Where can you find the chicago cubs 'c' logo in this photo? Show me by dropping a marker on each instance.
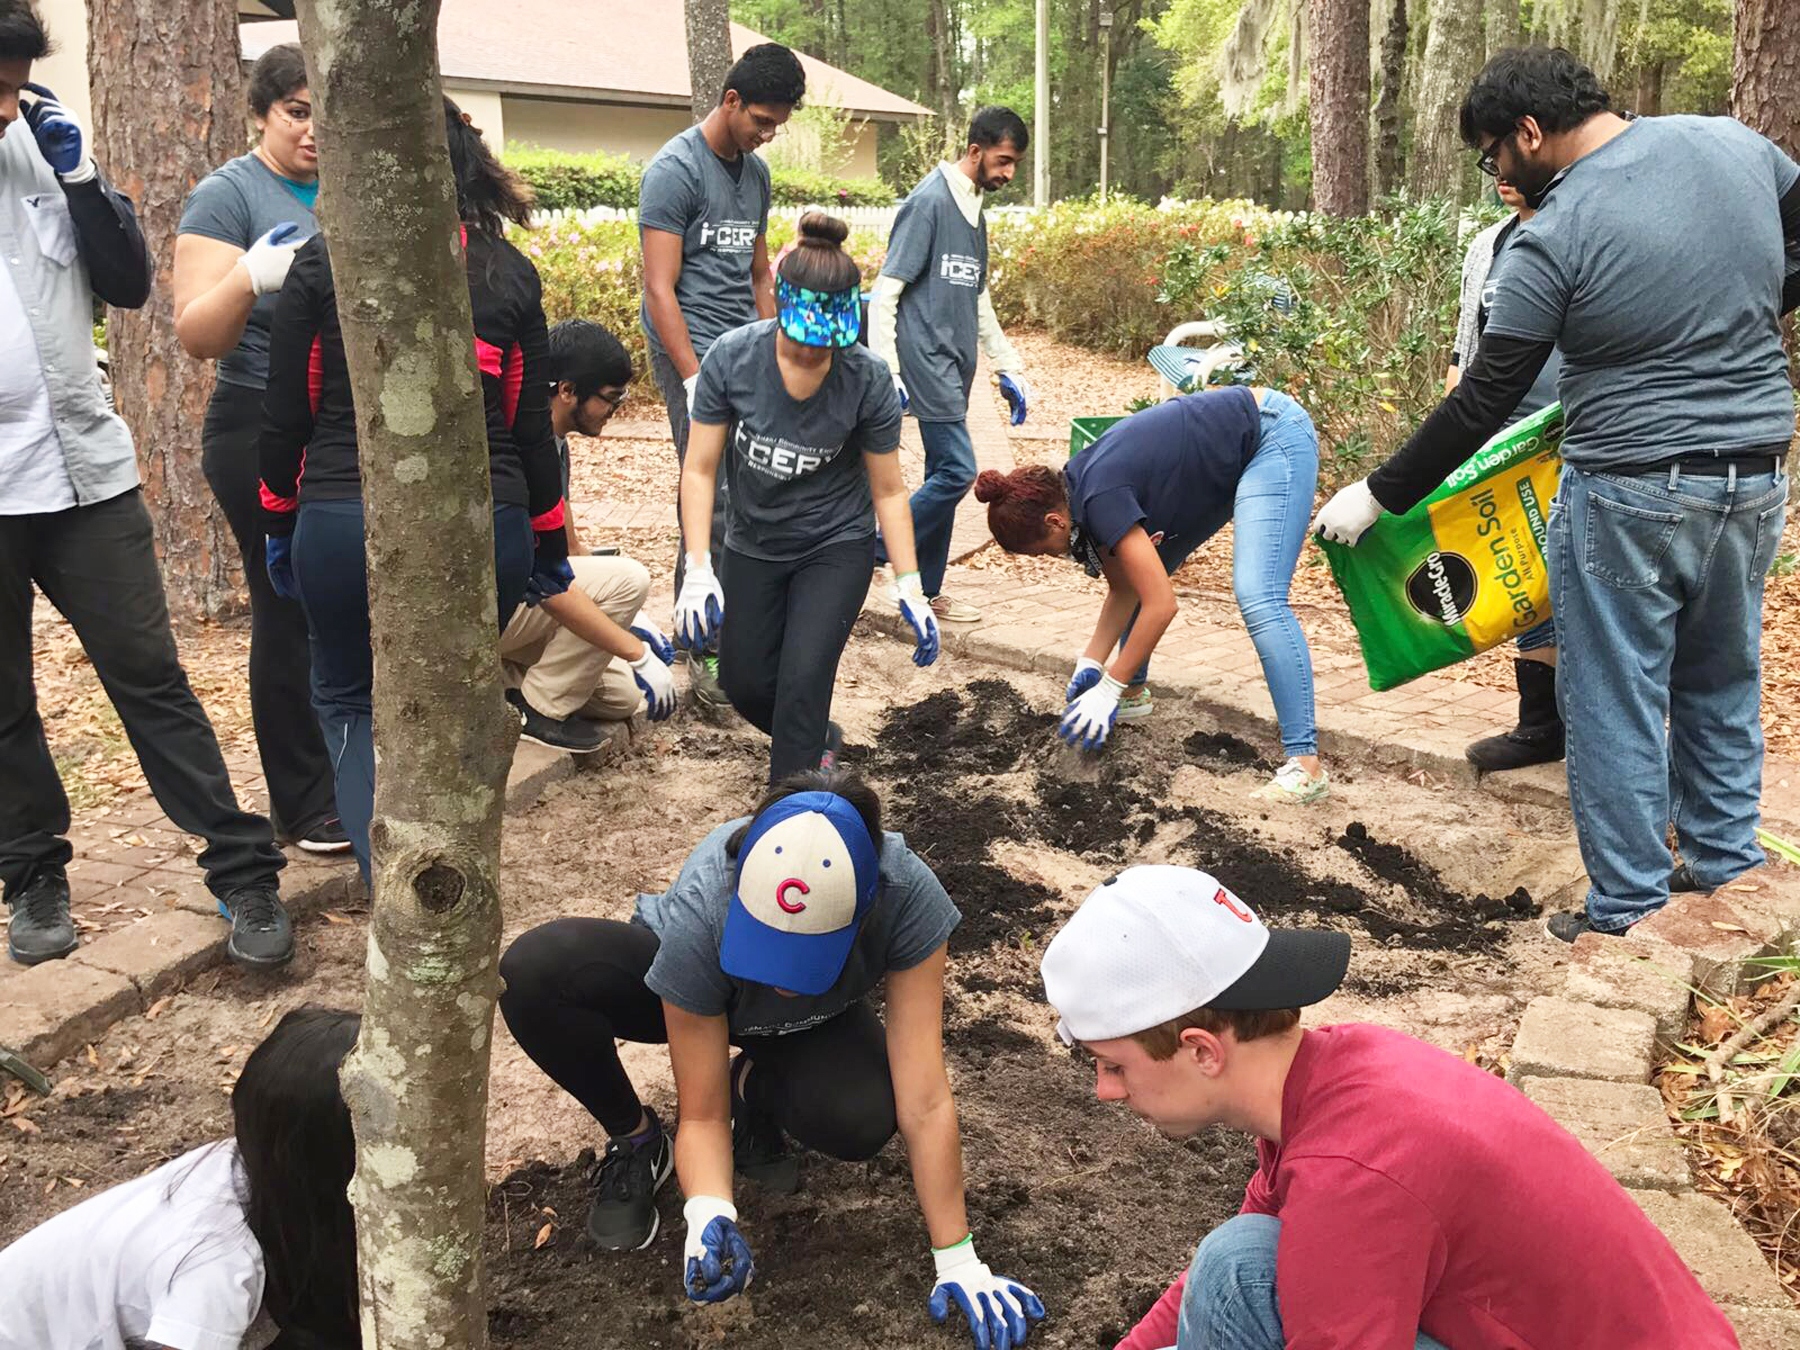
(1234, 906)
(791, 884)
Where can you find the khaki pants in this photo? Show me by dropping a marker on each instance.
(558, 673)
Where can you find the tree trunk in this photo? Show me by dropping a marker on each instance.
(1765, 70)
(709, 51)
(1505, 26)
(1649, 91)
(1339, 84)
(943, 72)
(417, 1080)
(1388, 165)
(168, 109)
(1453, 53)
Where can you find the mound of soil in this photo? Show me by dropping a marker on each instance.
(1221, 747)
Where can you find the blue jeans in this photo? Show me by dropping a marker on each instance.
(1657, 582)
(1229, 1302)
(949, 472)
(1270, 511)
(330, 571)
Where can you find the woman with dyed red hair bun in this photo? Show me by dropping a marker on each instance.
(1134, 505)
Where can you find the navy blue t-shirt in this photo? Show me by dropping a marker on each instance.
(1173, 468)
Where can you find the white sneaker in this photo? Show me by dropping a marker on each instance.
(1293, 785)
(1136, 704)
(949, 610)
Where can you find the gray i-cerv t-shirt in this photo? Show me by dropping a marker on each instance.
(911, 918)
(1656, 265)
(687, 190)
(238, 203)
(943, 260)
(794, 470)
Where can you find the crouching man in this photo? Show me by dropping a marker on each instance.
(588, 655)
(1403, 1198)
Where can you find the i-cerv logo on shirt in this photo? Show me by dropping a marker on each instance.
(959, 269)
(728, 236)
(778, 457)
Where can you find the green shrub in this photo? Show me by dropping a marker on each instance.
(570, 182)
(802, 187)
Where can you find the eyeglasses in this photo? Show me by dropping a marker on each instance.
(612, 401)
(1489, 163)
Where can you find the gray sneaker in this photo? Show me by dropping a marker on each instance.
(41, 929)
(261, 936)
(703, 679)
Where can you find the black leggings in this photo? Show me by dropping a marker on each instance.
(786, 625)
(573, 986)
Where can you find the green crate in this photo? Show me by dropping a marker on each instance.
(1084, 431)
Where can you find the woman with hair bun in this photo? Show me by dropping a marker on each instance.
(807, 423)
(1134, 505)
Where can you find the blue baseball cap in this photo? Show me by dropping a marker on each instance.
(807, 874)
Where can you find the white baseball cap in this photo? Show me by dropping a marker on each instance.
(1156, 942)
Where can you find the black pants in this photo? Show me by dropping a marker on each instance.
(97, 565)
(786, 625)
(287, 734)
(674, 394)
(573, 986)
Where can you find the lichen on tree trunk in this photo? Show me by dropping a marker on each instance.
(1455, 46)
(417, 1080)
(709, 51)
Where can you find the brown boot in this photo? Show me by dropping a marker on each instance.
(1538, 739)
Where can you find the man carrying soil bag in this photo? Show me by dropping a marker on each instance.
(1403, 1198)
(1661, 258)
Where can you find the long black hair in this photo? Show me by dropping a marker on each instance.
(298, 1152)
(839, 782)
(488, 194)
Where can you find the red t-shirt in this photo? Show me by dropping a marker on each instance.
(1417, 1193)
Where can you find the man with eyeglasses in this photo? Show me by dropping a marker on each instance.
(587, 655)
(703, 214)
(1661, 257)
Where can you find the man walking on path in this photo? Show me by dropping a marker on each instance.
(703, 214)
(72, 520)
(928, 312)
(1661, 257)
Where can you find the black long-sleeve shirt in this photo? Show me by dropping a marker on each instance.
(110, 242)
(308, 449)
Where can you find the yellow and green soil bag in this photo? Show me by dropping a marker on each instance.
(1465, 569)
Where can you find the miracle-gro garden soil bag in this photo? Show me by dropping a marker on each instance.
(1465, 569)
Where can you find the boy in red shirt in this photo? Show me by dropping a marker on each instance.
(1405, 1200)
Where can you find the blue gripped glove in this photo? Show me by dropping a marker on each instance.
(278, 559)
(999, 1311)
(654, 677)
(644, 629)
(1087, 674)
(719, 1263)
(700, 608)
(1017, 395)
(58, 134)
(916, 609)
(1089, 719)
(900, 389)
(548, 577)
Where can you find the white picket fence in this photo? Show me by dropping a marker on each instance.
(877, 218)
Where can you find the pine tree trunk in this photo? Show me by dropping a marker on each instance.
(1505, 26)
(1649, 91)
(709, 51)
(1388, 106)
(1339, 87)
(417, 1080)
(943, 71)
(168, 109)
(1453, 53)
(1765, 70)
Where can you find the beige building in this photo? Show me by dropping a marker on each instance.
(564, 74)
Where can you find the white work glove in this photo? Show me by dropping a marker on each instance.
(700, 608)
(687, 387)
(916, 610)
(268, 259)
(657, 681)
(644, 629)
(1087, 674)
(995, 1307)
(1089, 719)
(1347, 516)
(900, 389)
(719, 1263)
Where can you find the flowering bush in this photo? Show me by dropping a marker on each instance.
(571, 182)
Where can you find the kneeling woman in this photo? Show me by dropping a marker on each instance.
(1134, 505)
(225, 1246)
(774, 932)
(814, 423)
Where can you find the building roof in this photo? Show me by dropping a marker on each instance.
(618, 51)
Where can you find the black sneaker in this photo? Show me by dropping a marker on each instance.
(261, 936)
(623, 1217)
(1571, 924)
(572, 735)
(41, 929)
(1682, 881)
(327, 836)
(759, 1150)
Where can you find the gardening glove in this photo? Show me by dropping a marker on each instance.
(1017, 394)
(1087, 674)
(644, 629)
(1347, 516)
(995, 1307)
(900, 389)
(548, 579)
(268, 259)
(654, 677)
(1089, 719)
(278, 558)
(700, 608)
(719, 1263)
(687, 387)
(59, 135)
(916, 610)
